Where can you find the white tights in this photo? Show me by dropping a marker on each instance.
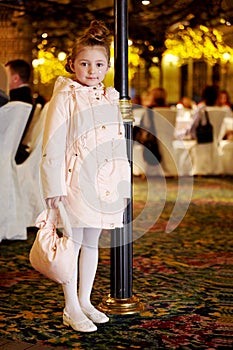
(87, 259)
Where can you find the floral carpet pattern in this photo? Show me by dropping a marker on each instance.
(183, 278)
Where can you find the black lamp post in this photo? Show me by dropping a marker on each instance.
(121, 299)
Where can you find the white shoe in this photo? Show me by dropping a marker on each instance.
(96, 316)
(82, 326)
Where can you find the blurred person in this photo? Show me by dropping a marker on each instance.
(186, 102)
(19, 72)
(228, 135)
(154, 97)
(223, 98)
(185, 108)
(136, 101)
(209, 99)
(209, 96)
(4, 97)
(145, 132)
(224, 102)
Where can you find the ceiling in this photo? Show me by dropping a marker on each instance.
(64, 19)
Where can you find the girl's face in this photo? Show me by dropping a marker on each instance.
(90, 65)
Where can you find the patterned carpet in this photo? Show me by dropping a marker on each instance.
(183, 277)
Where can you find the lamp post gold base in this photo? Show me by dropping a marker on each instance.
(121, 306)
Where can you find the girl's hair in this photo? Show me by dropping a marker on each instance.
(96, 35)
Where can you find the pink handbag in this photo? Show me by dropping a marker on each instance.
(50, 254)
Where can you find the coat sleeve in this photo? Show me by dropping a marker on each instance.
(54, 148)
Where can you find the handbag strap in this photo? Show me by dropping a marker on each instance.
(65, 220)
(207, 117)
(204, 114)
(52, 217)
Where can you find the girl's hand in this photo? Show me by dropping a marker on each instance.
(53, 202)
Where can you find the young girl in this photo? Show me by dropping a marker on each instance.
(85, 164)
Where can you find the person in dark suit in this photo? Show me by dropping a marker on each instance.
(19, 72)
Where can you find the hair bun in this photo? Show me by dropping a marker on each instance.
(97, 31)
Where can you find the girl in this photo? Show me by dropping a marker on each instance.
(85, 164)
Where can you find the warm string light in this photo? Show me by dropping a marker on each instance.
(49, 66)
(200, 43)
(134, 60)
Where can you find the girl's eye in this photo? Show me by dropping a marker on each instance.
(99, 65)
(84, 64)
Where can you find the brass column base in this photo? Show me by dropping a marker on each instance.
(121, 306)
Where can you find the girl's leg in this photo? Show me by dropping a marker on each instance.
(72, 306)
(88, 262)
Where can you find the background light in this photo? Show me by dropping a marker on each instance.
(61, 56)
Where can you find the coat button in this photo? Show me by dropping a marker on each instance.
(103, 127)
(107, 193)
(70, 170)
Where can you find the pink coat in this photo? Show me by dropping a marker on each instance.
(84, 154)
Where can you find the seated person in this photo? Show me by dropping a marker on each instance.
(186, 102)
(224, 102)
(154, 97)
(209, 98)
(19, 72)
(228, 135)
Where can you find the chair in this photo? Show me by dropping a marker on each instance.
(183, 154)
(201, 159)
(165, 120)
(140, 167)
(216, 116)
(226, 148)
(13, 119)
(168, 113)
(227, 125)
(137, 114)
(29, 173)
(36, 115)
